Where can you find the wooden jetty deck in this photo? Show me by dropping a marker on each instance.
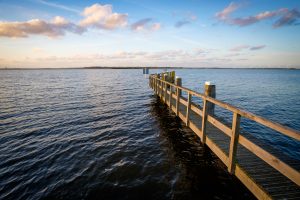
(266, 173)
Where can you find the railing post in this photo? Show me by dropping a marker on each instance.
(158, 88)
(204, 120)
(154, 82)
(178, 82)
(165, 86)
(170, 97)
(161, 89)
(210, 90)
(159, 85)
(234, 142)
(188, 108)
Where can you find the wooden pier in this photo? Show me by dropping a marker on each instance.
(266, 173)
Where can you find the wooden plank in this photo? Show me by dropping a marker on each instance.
(174, 96)
(234, 142)
(204, 122)
(170, 96)
(250, 184)
(165, 95)
(184, 102)
(195, 128)
(177, 101)
(196, 109)
(217, 150)
(181, 116)
(277, 164)
(188, 108)
(219, 125)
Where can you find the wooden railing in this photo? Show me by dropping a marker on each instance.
(161, 88)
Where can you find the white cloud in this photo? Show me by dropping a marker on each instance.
(102, 17)
(286, 16)
(57, 27)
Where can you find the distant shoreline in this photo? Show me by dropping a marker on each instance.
(291, 68)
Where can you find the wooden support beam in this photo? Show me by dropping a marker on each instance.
(234, 142)
(165, 86)
(170, 96)
(178, 82)
(165, 95)
(177, 101)
(204, 121)
(188, 108)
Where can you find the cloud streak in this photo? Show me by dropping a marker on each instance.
(145, 25)
(226, 12)
(55, 5)
(284, 16)
(290, 17)
(257, 47)
(244, 47)
(181, 23)
(57, 27)
(189, 18)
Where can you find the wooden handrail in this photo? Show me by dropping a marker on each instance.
(273, 125)
(233, 132)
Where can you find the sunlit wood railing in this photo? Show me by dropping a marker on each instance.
(164, 88)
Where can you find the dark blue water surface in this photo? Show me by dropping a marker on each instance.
(102, 134)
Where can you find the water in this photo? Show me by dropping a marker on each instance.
(90, 134)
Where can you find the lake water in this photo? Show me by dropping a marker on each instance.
(94, 133)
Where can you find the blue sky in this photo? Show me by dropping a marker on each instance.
(192, 33)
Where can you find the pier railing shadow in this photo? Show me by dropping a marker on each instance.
(201, 172)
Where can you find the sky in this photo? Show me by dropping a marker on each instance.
(139, 33)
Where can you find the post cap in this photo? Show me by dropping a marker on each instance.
(208, 83)
(177, 76)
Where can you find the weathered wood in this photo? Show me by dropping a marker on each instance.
(276, 163)
(273, 125)
(217, 150)
(183, 101)
(188, 108)
(170, 96)
(252, 155)
(196, 109)
(210, 90)
(195, 128)
(219, 125)
(234, 141)
(178, 82)
(204, 121)
(177, 101)
(250, 184)
(165, 95)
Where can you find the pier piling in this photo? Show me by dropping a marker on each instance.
(210, 90)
